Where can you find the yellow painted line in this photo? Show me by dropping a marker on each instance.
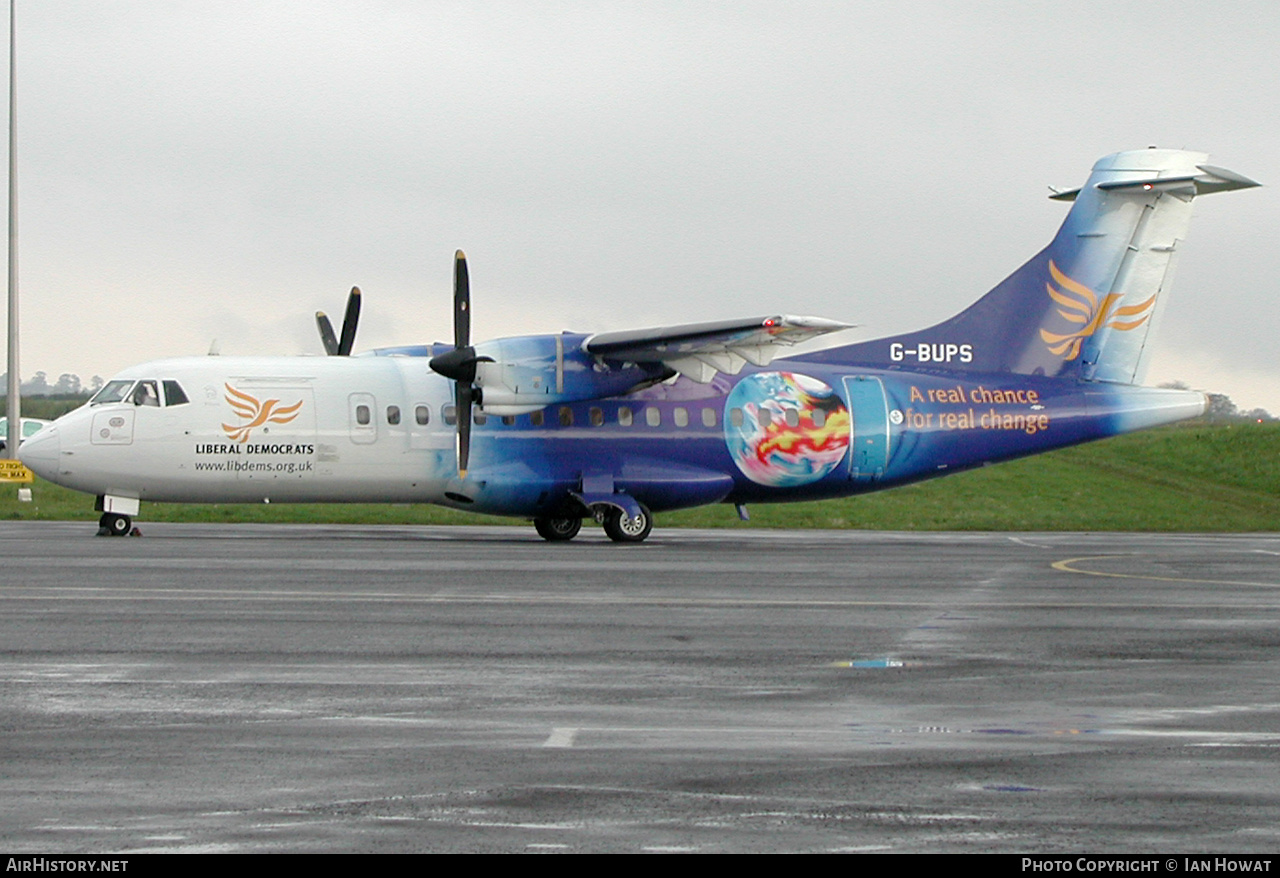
(1065, 566)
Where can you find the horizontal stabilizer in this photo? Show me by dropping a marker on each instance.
(1221, 180)
(1210, 179)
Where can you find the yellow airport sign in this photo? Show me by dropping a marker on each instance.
(14, 471)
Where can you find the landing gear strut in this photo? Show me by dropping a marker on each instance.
(113, 524)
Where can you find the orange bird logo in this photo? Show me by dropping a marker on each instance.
(1080, 305)
(257, 413)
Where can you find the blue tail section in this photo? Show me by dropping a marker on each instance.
(1087, 305)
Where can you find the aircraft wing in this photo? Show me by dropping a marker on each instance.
(700, 350)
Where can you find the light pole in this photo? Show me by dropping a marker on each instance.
(14, 407)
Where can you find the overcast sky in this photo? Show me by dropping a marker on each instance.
(199, 170)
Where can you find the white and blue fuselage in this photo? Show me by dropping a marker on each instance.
(620, 425)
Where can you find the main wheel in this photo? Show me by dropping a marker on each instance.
(557, 530)
(622, 528)
(113, 524)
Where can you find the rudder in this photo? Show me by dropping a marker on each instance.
(1087, 305)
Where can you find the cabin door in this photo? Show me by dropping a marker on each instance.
(868, 428)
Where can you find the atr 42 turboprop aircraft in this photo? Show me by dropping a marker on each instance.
(618, 425)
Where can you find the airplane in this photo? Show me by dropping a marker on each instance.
(617, 426)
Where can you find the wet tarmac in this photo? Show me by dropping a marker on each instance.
(293, 688)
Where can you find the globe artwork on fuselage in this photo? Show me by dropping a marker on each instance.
(784, 429)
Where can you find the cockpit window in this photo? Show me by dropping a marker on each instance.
(141, 393)
(146, 394)
(115, 391)
(173, 394)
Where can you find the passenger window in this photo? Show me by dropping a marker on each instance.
(451, 414)
(597, 417)
(735, 417)
(173, 394)
(508, 419)
(792, 417)
(819, 418)
(708, 417)
(535, 418)
(624, 416)
(566, 416)
(422, 414)
(682, 416)
(652, 416)
(479, 416)
(764, 418)
(363, 416)
(393, 415)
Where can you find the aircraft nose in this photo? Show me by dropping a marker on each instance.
(41, 452)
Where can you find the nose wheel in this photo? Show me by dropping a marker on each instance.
(113, 524)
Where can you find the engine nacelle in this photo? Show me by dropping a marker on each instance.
(518, 375)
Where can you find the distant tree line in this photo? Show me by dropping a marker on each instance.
(1221, 409)
(46, 401)
(66, 385)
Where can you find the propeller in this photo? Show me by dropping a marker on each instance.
(459, 364)
(333, 346)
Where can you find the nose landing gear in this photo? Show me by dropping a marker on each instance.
(113, 524)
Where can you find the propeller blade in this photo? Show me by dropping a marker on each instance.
(465, 393)
(461, 301)
(459, 364)
(327, 338)
(349, 322)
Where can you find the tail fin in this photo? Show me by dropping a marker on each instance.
(1087, 305)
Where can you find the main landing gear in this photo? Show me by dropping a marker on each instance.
(557, 530)
(113, 524)
(620, 527)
